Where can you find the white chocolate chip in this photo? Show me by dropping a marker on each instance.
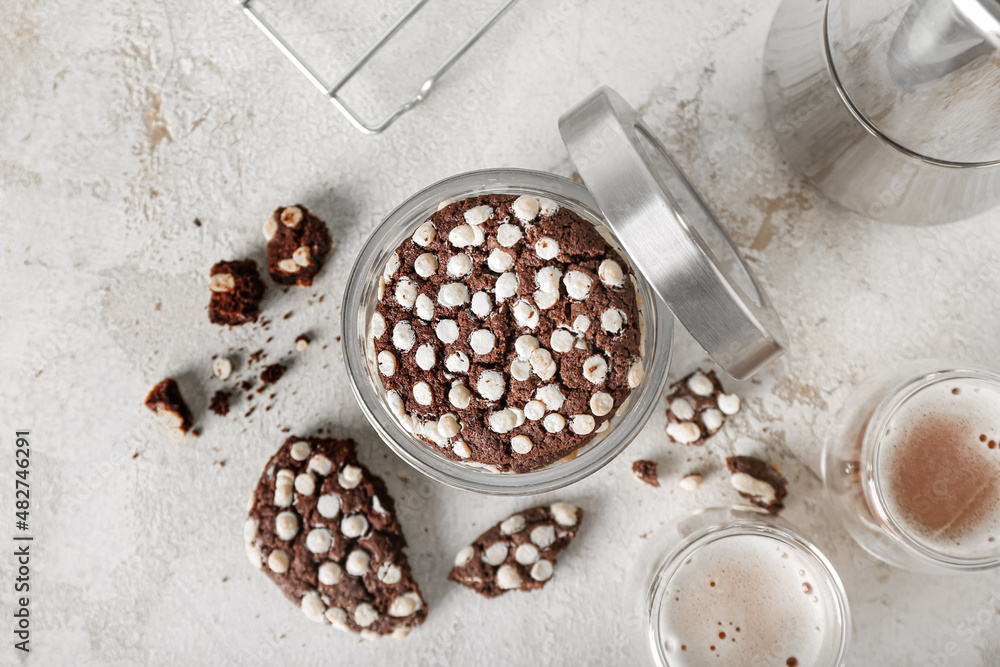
(378, 325)
(328, 506)
(460, 396)
(508, 578)
(683, 432)
(541, 571)
(508, 235)
(521, 444)
(495, 554)
(404, 605)
(503, 421)
(547, 206)
(349, 477)
(499, 261)
(453, 295)
(319, 540)
(278, 561)
(386, 363)
(520, 370)
(612, 320)
(700, 385)
(712, 419)
(562, 340)
(578, 285)
(457, 362)
(250, 529)
(283, 485)
(526, 554)
(459, 266)
(690, 482)
(365, 614)
(391, 266)
(729, 404)
(313, 607)
(320, 465)
(445, 203)
(610, 273)
(377, 505)
(525, 314)
(329, 573)
(682, 409)
(255, 555)
(270, 228)
(403, 337)
(222, 283)
(425, 357)
(547, 248)
(381, 285)
(525, 208)
(447, 331)
(291, 216)
(337, 617)
(389, 574)
(601, 403)
(506, 286)
(636, 373)
(302, 256)
(546, 300)
(286, 525)
(543, 536)
(582, 424)
(478, 215)
(300, 450)
(482, 341)
(581, 324)
(563, 513)
(448, 426)
(542, 363)
(595, 369)
(422, 393)
(551, 396)
(395, 403)
(305, 484)
(464, 555)
(426, 265)
(289, 266)
(515, 523)
(425, 234)
(760, 490)
(481, 304)
(490, 385)
(354, 526)
(525, 345)
(547, 279)
(534, 410)
(358, 562)
(222, 368)
(554, 422)
(461, 449)
(425, 307)
(462, 236)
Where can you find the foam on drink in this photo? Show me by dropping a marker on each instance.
(939, 467)
(747, 600)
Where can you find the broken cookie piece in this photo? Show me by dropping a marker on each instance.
(517, 553)
(166, 401)
(760, 482)
(645, 471)
(298, 244)
(697, 407)
(324, 529)
(236, 293)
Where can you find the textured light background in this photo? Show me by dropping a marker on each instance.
(121, 122)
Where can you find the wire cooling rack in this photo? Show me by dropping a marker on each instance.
(333, 90)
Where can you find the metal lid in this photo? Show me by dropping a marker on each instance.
(671, 236)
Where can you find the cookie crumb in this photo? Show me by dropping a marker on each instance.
(220, 403)
(645, 471)
(760, 482)
(272, 373)
(166, 402)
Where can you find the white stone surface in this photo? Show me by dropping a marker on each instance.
(124, 121)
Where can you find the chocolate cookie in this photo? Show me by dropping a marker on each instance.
(517, 553)
(298, 244)
(166, 401)
(645, 471)
(760, 482)
(507, 331)
(698, 407)
(323, 528)
(236, 292)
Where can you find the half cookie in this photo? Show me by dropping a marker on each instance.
(323, 528)
(517, 553)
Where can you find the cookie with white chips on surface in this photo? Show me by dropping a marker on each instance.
(298, 244)
(519, 552)
(513, 319)
(697, 407)
(324, 529)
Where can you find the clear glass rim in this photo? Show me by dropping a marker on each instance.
(592, 457)
(871, 449)
(735, 521)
